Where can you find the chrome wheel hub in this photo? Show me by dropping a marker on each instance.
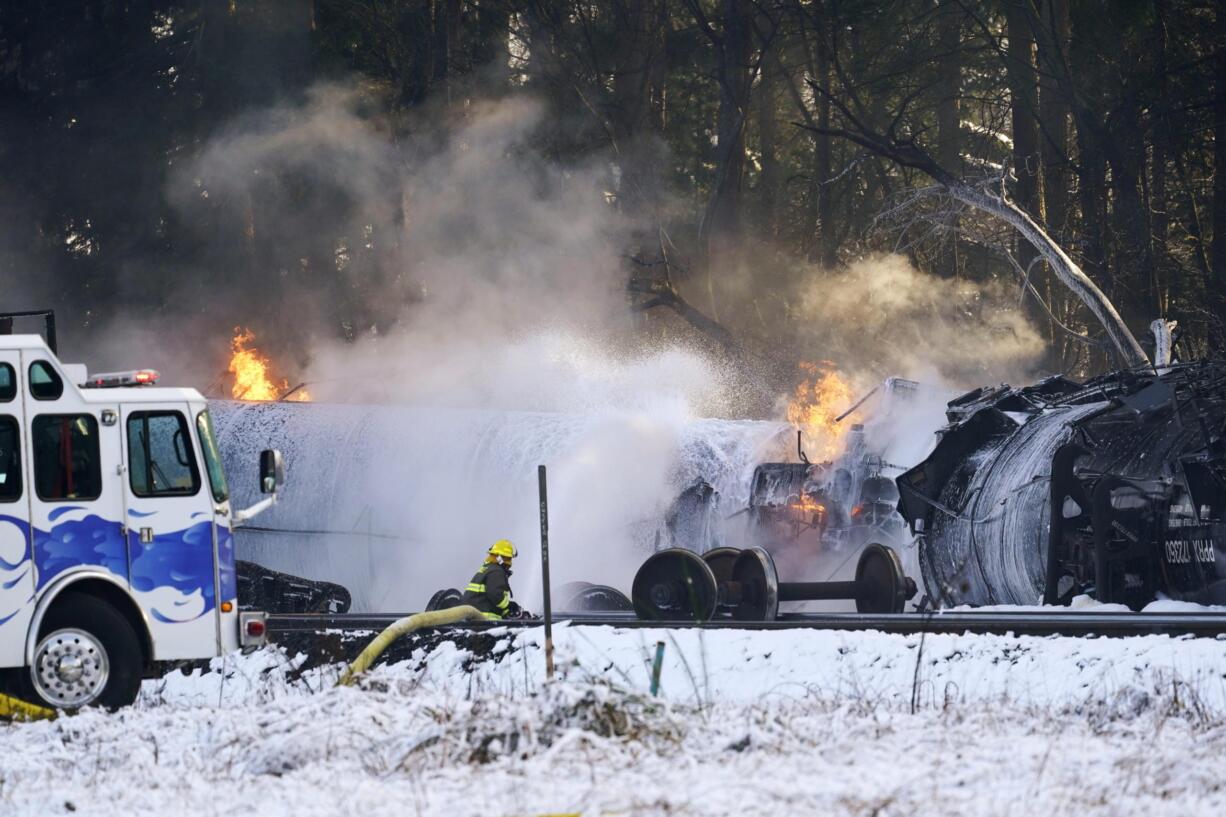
(70, 668)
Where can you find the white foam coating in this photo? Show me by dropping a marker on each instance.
(410, 497)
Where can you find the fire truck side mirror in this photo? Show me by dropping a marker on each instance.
(272, 471)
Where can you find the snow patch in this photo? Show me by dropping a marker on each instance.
(748, 722)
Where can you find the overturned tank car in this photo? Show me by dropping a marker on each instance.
(1115, 488)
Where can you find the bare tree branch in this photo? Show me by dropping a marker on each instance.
(906, 153)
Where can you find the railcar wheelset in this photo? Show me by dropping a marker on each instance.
(679, 585)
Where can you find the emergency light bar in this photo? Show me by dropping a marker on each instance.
(111, 380)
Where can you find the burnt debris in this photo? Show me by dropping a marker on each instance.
(261, 588)
(1115, 488)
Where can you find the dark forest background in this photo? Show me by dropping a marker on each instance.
(728, 129)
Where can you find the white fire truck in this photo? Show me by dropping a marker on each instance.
(116, 551)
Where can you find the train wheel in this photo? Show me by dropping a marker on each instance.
(444, 599)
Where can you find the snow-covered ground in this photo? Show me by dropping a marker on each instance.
(747, 722)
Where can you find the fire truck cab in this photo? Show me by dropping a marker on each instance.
(116, 550)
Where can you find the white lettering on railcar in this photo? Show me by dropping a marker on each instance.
(1183, 551)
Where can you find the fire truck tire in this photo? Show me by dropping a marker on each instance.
(87, 655)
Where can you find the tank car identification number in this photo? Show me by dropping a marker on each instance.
(1183, 551)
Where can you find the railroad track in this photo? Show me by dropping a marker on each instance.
(1038, 623)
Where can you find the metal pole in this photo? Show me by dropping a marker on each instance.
(656, 666)
(856, 405)
(540, 477)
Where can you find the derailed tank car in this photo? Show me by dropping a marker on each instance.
(822, 506)
(797, 511)
(1115, 488)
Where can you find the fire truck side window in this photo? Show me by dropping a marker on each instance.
(45, 384)
(160, 458)
(66, 461)
(10, 460)
(8, 383)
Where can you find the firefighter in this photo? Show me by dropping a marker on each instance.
(490, 591)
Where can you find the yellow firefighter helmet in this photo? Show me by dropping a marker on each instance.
(503, 548)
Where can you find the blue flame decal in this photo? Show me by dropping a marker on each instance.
(56, 513)
(92, 541)
(179, 559)
(24, 527)
(226, 567)
(182, 559)
(11, 583)
(13, 598)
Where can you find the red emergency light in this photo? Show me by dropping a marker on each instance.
(112, 380)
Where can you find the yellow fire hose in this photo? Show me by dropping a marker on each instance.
(408, 624)
(15, 709)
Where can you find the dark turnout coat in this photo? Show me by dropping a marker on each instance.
(489, 591)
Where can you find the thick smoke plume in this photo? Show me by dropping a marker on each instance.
(496, 275)
(880, 316)
(458, 231)
(479, 274)
(458, 244)
(499, 287)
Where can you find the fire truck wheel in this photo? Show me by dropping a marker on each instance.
(87, 655)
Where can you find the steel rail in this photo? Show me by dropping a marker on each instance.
(1015, 623)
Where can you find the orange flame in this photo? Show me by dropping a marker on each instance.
(820, 397)
(252, 372)
(806, 504)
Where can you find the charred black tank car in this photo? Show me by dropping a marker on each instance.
(1114, 488)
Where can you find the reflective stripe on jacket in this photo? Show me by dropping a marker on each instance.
(489, 591)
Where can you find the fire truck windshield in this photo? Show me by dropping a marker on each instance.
(212, 457)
